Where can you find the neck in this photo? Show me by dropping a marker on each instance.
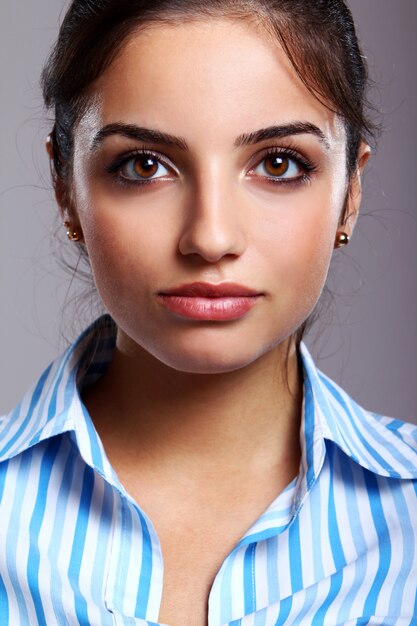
(247, 419)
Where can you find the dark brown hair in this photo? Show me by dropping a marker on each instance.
(318, 37)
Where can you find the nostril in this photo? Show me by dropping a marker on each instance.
(212, 240)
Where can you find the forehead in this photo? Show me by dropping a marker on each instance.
(208, 79)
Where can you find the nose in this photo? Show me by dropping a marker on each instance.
(213, 226)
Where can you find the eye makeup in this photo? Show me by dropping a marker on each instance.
(115, 169)
(287, 158)
(291, 159)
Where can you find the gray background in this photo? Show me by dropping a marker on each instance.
(366, 339)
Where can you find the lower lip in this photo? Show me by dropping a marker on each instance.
(226, 308)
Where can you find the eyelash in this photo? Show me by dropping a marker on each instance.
(116, 166)
(307, 167)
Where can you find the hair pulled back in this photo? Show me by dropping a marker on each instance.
(318, 37)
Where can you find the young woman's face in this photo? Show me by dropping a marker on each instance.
(243, 181)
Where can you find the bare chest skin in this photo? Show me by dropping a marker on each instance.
(191, 562)
(197, 536)
(202, 472)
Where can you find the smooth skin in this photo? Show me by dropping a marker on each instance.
(196, 415)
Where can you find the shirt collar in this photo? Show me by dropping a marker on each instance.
(381, 444)
(53, 406)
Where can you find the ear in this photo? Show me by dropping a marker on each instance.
(354, 193)
(60, 188)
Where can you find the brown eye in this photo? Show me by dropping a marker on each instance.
(143, 167)
(276, 165)
(279, 167)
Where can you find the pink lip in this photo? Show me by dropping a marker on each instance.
(210, 302)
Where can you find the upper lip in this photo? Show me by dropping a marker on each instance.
(210, 290)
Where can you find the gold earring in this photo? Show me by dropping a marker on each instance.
(342, 239)
(72, 233)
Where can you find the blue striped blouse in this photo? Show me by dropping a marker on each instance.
(337, 546)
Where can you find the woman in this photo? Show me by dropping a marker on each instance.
(184, 462)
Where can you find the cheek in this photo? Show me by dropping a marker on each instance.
(122, 260)
(300, 252)
(124, 246)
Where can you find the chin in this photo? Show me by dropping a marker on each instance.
(214, 357)
(209, 350)
(213, 364)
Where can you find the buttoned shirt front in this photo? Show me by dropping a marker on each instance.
(337, 546)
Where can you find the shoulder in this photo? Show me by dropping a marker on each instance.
(389, 443)
(385, 445)
(23, 426)
(52, 405)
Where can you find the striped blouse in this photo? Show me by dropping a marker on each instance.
(337, 546)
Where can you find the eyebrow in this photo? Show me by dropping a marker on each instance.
(138, 133)
(131, 131)
(279, 132)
